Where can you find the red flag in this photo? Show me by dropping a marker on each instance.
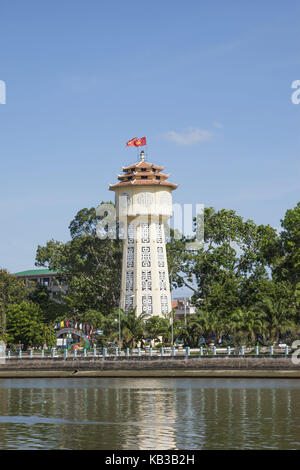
(135, 142)
(130, 143)
(140, 142)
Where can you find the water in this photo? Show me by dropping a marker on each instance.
(146, 413)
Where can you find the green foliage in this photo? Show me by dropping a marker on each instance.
(288, 267)
(132, 328)
(244, 279)
(11, 291)
(246, 325)
(25, 326)
(90, 266)
(51, 310)
(157, 329)
(230, 277)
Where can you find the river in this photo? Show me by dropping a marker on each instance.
(146, 413)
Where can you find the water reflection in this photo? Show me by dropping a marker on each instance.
(149, 414)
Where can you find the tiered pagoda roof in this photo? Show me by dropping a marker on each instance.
(142, 173)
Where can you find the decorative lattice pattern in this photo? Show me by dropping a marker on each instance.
(131, 233)
(164, 304)
(146, 280)
(129, 281)
(128, 302)
(159, 237)
(147, 304)
(162, 280)
(145, 234)
(160, 257)
(146, 257)
(130, 257)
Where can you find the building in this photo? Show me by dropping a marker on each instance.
(183, 307)
(44, 277)
(144, 204)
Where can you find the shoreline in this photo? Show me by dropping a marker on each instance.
(238, 374)
(189, 367)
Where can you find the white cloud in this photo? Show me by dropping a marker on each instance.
(190, 137)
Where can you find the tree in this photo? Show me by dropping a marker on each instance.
(51, 309)
(132, 328)
(236, 255)
(230, 274)
(245, 325)
(279, 312)
(157, 329)
(91, 317)
(288, 267)
(90, 266)
(191, 331)
(12, 290)
(24, 326)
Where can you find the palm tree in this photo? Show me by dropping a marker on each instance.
(247, 324)
(279, 317)
(189, 332)
(132, 328)
(203, 323)
(157, 328)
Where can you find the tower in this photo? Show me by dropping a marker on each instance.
(143, 205)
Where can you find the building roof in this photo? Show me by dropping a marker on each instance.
(36, 272)
(143, 173)
(142, 164)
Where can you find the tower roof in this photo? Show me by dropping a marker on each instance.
(143, 173)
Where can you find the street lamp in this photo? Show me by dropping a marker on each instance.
(172, 329)
(119, 326)
(184, 300)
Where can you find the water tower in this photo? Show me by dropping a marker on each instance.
(143, 199)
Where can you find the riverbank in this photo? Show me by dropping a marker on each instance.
(210, 366)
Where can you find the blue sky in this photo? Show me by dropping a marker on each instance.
(207, 82)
